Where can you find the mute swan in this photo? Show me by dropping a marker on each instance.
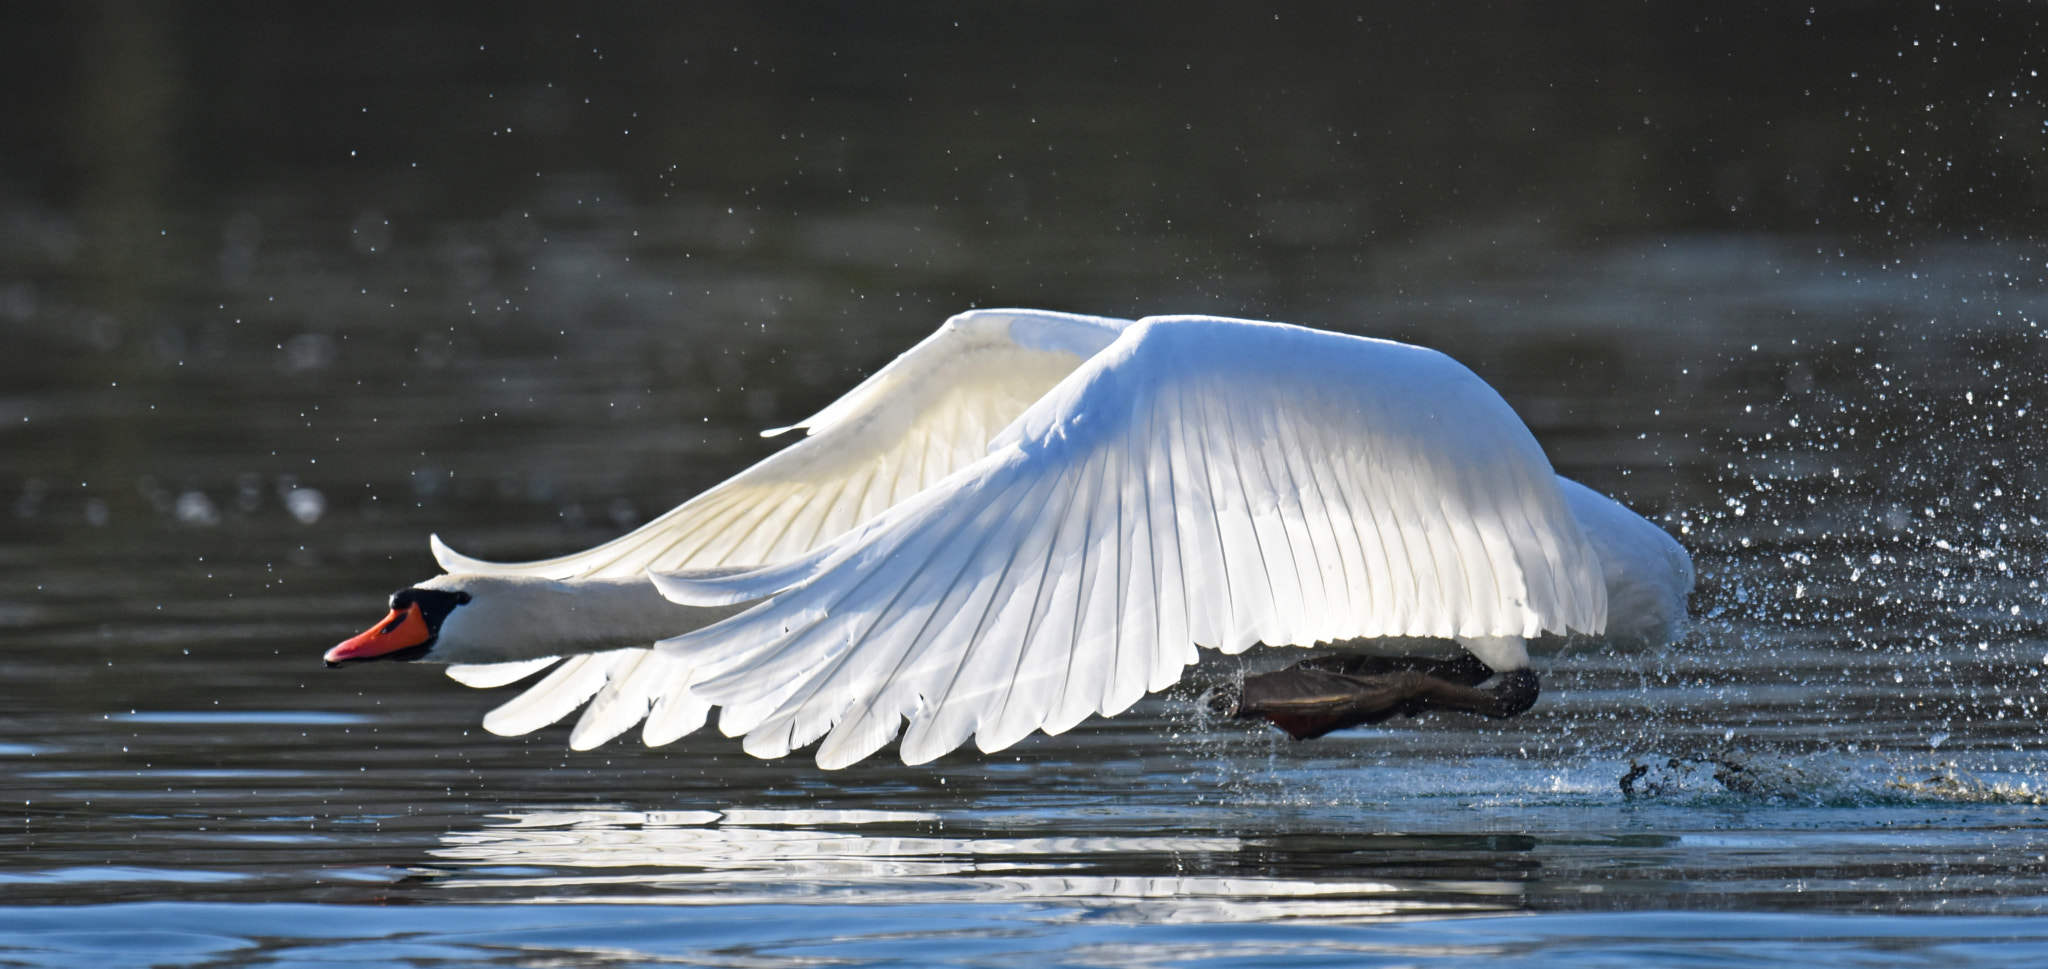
(1033, 517)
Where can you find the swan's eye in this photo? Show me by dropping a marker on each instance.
(434, 604)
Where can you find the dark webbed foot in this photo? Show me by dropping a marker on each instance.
(1465, 669)
(1316, 696)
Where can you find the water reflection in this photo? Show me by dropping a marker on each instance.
(766, 856)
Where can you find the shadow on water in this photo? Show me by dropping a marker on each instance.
(282, 294)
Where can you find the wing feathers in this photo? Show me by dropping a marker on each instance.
(963, 588)
(484, 676)
(1313, 520)
(676, 710)
(928, 413)
(1201, 481)
(1196, 521)
(622, 702)
(565, 689)
(1087, 677)
(1019, 679)
(906, 620)
(981, 675)
(1166, 611)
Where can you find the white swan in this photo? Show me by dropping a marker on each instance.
(1034, 517)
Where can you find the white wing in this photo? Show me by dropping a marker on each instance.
(1201, 481)
(928, 413)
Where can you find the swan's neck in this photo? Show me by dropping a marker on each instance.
(518, 617)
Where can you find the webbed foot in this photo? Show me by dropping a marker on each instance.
(1316, 696)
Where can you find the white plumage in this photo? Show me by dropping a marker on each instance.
(929, 412)
(1031, 518)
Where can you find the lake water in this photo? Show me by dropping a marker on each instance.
(242, 378)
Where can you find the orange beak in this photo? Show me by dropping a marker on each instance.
(399, 631)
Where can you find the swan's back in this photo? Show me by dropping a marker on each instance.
(1648, 573)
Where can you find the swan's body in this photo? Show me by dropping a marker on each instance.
(1033, 517)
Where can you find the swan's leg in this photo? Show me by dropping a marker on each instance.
(1316, 696)
(1466, 669)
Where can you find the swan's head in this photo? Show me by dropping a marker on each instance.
(466, 618)
(408, 633)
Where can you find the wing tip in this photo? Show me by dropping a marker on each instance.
(486, 676)
(449, 559)
(509, 726)
(452, 561)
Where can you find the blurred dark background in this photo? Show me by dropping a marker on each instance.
(1309, 126)
(529, 273)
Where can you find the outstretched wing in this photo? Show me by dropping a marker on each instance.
(1201, 481)
(928, 413)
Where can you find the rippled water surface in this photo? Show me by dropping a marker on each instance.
(281, 296)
